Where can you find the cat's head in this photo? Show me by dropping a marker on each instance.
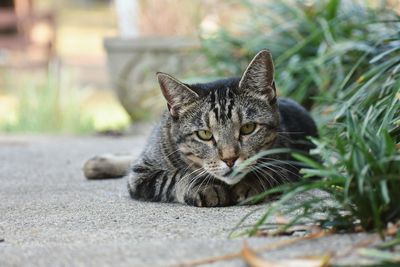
(219, 125)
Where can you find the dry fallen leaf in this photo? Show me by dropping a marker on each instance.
(321, 261)
(253, 260)
(268, 247)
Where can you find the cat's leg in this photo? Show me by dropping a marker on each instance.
(107, 166)
(216, 194)
(254, 184)
(250, 186)
(146, 182)
(196, 188)
(243, 191)
(268, 174)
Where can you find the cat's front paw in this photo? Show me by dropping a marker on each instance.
(243, 191)
(210, 196)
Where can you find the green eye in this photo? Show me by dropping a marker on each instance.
(204, 135)
(248, 128)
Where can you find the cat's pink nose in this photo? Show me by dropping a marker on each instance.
(230, 162)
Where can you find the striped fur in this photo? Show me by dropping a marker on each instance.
(177, 166)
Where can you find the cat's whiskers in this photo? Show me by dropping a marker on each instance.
(173, 152)
(197, 177)
(185, 169)
(288, 171)
(284, 136)
(285, 162)
(259, 179)
(282, 172)
(264, 170)
(193, 179)
(264, 173)
(209, 178)
(272, 162)
(201, 184)
(183, 177)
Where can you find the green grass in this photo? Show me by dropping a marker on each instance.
(50, 105)
(315, 45)
(358, 166)
(342, 61)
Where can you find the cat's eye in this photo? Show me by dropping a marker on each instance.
(204, 135)
(248, 128)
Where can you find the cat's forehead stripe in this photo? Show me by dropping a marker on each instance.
(231, 101)
(222, 104)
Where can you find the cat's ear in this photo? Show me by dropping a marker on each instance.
(258, 78)
(177, 94)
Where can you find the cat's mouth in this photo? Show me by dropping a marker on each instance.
(230, 180)
(228, 173)
(229, 177)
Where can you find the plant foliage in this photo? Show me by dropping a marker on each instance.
(315, 43)
(342, 60)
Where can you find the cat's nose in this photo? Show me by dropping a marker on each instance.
(230, 161)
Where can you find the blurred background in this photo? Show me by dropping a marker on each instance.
(88, 66)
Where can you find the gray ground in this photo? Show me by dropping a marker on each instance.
(50, 215)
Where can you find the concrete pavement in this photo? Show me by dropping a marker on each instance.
(50, 215)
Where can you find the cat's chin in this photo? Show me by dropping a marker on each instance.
(229, 179)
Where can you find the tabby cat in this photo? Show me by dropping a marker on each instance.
(196, 153)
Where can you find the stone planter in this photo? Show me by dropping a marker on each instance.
(132, 64)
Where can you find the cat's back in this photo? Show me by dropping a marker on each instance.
(295, 119)
(158, 137)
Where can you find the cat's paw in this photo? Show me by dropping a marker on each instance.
(243, 191)
(98, 167)
(210, 196)
(106, 166)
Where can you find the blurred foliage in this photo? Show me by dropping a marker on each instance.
(342, 59)
(314, 43)
(54, 102)
(360, 150)
(48, 105)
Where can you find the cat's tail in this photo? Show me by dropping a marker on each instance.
(107, 166)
